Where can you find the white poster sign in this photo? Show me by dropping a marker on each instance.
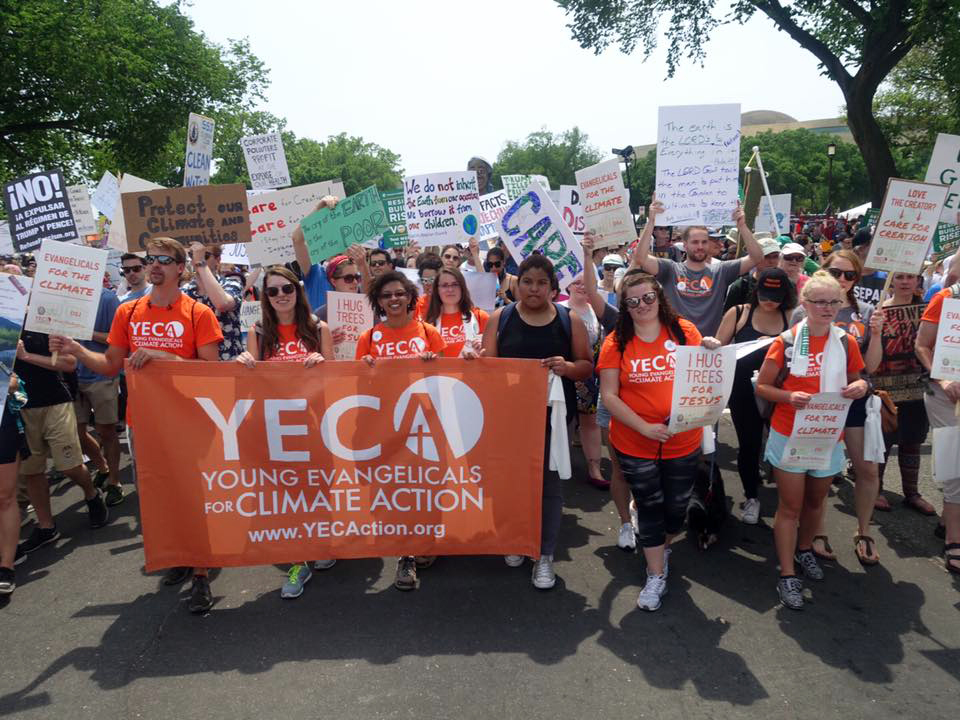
(275, 215)
(606, 204)
(266, 161)
(82, 211)
(106, 198)
(113, 267)
(944, 169)
(250, 311)
(816, 431)
(571, 209)
(702, 383)
(14, 293)
(235, 254)
(483, 289)
(441, 207)
(67, 289)
(698, 163)
(533, 223)
(199, 153)
(946, 353)
(117, 237)
(349, 315)
(6, 239)
(492, 207)
(516, 184)
(782, 205)
(905, 228)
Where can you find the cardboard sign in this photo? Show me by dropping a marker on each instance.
(266, 161)
(900, 373)
(250, 312)
(782, 205)
(441, 207)
(357, 219)
(66, 290)
(702, 382)
(82, 211)
(38, 209)
(698, 163)
(491, 210)
(348, 314)
(572, 210)
(14, 293)
(204, 214)
(338, 461)
(396, 233)
(117, 236)
(482, 287)
(199, 153)
(515, 185)
(946, 353)
(606, 204)
(908, 220)
(944, 169)
(533, 223)
(235, 254)
(275, 215)
(816, 431)
(106, 197)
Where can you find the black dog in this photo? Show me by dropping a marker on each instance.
(708, 508)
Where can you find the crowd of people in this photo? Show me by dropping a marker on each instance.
(609, 337)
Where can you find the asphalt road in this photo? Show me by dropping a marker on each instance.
(88, 634)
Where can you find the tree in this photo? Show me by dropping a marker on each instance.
(857, 42)
(91, 85)
(543, 153)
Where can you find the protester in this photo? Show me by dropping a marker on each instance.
(816, 363)
(636, 376)
(765, 316)
(13, 448)
(222, 294)
(452, 312)
(450, 256)
(496, 263)
(612, 264)
(742, 289)
(132, 267)
(379, 262)
(428, 266)
(792, 258)
(663, 246)
(870, 285)
(484, 172)
(343, 276)
(534, 327)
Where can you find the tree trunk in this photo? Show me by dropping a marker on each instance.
(870, 139)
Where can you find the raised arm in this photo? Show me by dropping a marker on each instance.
(597, 301)
(641, 257)
(300, 243)
(754, 251)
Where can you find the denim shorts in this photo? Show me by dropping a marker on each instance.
(776, 444)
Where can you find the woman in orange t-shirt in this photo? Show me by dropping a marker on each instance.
(636, 382)
(801, 494)
(398, 334)
(452, 312)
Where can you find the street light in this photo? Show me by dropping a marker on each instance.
(831, 151)
(626, 155)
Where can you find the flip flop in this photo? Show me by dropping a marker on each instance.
(829, 554)
(866, 558)
(881, 503)
(951, 560)
(918, 504)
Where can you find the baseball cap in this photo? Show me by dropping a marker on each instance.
(773, 284)
(613, 259)
(862, 237)
(793, 249)
(769, 246)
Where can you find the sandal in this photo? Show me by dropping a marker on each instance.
(881, 503)
(870, 556)
(952, 560)
(916, 502)
(827, 553)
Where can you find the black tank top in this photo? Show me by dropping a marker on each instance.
(748, 333)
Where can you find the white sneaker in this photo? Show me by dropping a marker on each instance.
(544, 577)
(627, 540)
(513, 560)
(655, 589)
(751, 511)
(323, 564)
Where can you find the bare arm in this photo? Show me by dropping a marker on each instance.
(326, 341)
(597, 301)
(926, 339)
(582, 366)
(64, 363)
(108, 363)
(728, 326)
(754, 251)
(490, 335)
(641, 257)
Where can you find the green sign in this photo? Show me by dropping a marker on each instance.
(946, 240)
(355, 220)
(871, 216)
(396, 233)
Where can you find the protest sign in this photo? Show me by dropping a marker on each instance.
(250, 311)
(533, 223)
(698, 163)
(396, 232)
(266, 161)
(606, 204)
(14, 293)
(6, 240)
(117, 236)
(571, 209)
(351, 314)
(482, 287)
(946, 352)
(196, 166)
(204, 214)
(516, 184)
(702, 383)
(275, 215)
(113, 267)
(38, 209)
(235, 254)
(83, 215)
(765, 221)
(441, 207)
(106, 196)
(491, 208)
(816, 431)
(356, 219)
(944, 169)
(66, 289)
(338, 461)
(908, 220)
(900, 373)
(946, 240)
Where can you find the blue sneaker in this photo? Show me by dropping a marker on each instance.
(298, 576)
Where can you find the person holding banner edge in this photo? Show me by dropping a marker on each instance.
(452, 312)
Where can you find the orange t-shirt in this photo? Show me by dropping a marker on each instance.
(646, 386)
(783, 413)
(291, 347)
(935, 308)
(179, 329)
(409, 341)
(452, 331)
(423, 303)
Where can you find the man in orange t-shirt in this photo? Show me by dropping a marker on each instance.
(164, 325)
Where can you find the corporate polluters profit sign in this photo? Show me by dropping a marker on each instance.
(908, 221)
(207, 214)
(38, 206)
(266, 161)
(357, 219)
(441, 207)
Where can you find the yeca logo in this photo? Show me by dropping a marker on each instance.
(172, 329)
(439, 405)
(418, 345)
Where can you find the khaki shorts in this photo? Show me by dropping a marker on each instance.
(51, 432)
(102, 397)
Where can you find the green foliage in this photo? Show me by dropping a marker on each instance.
(543, 153)
(357, 163)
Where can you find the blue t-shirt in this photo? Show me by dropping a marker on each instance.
(136, 294)
(107, 308)
(316, 286)
(934, 289)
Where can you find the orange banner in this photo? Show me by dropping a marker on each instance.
(284, 464)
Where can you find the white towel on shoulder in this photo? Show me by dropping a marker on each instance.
(559, 443)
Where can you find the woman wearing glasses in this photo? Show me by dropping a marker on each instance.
(792, 259)
(450, 255)
(288, 332)
(496, 262)
(451, 311)
(636, 384)
(814, 362)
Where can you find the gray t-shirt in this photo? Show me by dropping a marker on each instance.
(698, 295)
(856, 321)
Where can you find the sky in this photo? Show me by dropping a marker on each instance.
(438, 82)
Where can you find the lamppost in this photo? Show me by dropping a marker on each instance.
(831, 151)
(626, 155)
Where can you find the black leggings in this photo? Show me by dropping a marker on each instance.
(661, 490)
(749, 426)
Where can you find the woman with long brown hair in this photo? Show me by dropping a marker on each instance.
(452, 312)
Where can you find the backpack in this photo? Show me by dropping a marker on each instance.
(562, 312)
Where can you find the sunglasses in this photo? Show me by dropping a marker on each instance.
(392, 295)
(493, 264)
(162, 259)
(850, 275)
(633, 303)
(275, 290)
(611, 268)
(348, 277)
(825, 304)
(377, 263)
(131, 269)
(451, 257)
(208, 256)
(794, 258)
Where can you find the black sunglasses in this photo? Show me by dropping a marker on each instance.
(130, 269)
(634, 302)
(850, 275)
(493, 264)
(348, 277)
(377, 263)
(274, 290)
(162, 259)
